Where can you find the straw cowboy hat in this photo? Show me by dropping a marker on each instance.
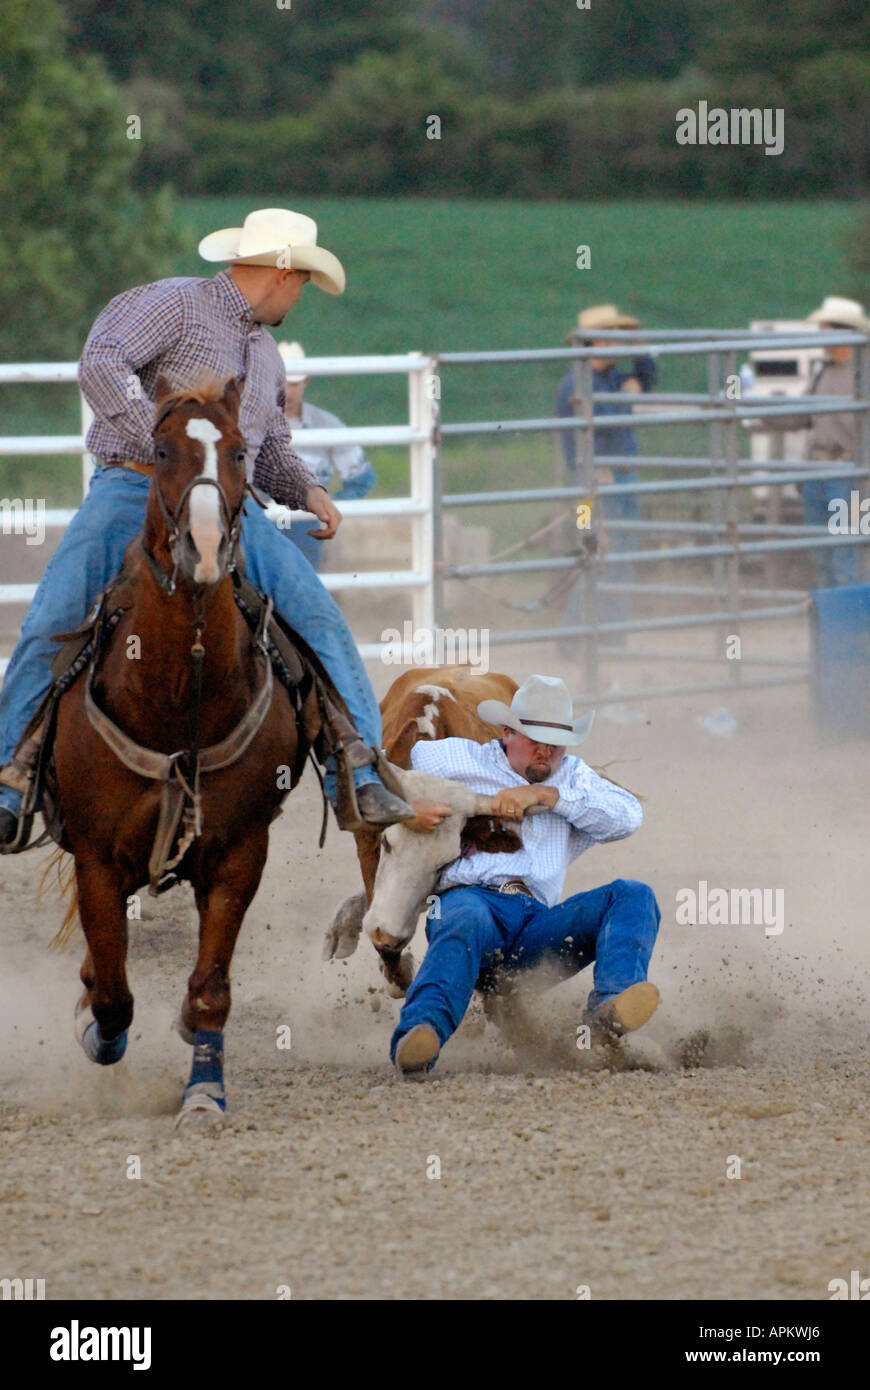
(602, 316)
(275, 236)
(291, 352)
(841, 313)
(541, 709)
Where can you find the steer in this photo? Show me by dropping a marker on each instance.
(429, 703)
(411, 860)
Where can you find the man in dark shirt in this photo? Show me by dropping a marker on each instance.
(182, 328)
(608, 375)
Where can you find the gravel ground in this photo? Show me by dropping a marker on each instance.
(555, 1174)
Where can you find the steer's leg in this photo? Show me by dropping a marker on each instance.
(105, 1010)
(222, 904)
(397, 967)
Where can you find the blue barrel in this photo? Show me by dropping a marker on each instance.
(840, 660)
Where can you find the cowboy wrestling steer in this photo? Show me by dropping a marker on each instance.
(422, 704)
(501, 913)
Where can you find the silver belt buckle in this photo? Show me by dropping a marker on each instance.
(514, 885)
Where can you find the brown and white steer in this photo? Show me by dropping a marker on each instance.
(411, 860)
(423, 703)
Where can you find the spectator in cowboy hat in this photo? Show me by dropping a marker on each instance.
(502, 912)
(609, 374)
(830, 438)
(326, 461)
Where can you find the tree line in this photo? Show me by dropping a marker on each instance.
(486, 98)
(535, 98)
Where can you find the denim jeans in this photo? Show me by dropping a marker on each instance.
(90, 555)
(611, 607)
(297, 532)
(836, 564)
(479, 928)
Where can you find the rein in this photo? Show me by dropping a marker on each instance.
(234, 526)
(180, 773)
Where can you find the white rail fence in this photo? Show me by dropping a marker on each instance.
(722, 472)
(417, 436)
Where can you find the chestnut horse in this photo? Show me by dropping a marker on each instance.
(181, 671)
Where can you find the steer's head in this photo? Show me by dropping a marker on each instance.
(411, 860)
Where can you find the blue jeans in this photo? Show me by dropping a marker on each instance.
(836, 564)
(90, 555)
(615, 926)
(297, 532)
(611, 607)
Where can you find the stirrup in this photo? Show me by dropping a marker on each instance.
(347, 812)
(25, 821)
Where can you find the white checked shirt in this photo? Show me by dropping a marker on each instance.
(590, 810)
(325, 460)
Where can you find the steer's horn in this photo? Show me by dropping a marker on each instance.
(390, 775)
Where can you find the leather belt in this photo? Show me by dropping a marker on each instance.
(145, 468)
(515, 885)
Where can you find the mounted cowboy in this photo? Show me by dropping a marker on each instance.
(185, 329)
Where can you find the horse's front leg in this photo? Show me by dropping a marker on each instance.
(105, 1010)
(222, 905)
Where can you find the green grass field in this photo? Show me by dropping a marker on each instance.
(449, 275)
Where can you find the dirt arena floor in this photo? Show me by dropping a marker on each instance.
(556, 1177)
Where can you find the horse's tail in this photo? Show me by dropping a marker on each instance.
(66, 882)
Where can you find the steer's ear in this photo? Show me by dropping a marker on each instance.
(489, 834)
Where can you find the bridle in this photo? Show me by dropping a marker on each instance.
(179, 773)
(169, 582)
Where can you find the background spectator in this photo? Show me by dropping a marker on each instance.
(346, 462)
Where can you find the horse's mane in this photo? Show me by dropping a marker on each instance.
(205, 390)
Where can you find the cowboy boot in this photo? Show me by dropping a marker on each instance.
(18, 775)
(373, 804)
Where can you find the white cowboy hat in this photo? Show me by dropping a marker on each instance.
(276, 236)
(291, 352)
(844, 313)
(541, 709)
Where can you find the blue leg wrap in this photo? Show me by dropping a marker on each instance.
(96, 1049)
(206, 1084)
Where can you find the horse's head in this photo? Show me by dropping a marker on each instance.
(199, 477)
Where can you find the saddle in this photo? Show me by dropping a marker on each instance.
(323, 718)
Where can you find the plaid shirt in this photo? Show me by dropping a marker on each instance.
(590, 810)
(185, 328)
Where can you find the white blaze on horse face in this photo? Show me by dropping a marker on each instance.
(205, 513)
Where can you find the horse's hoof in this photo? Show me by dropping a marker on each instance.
(94, 1045)
(182, 1029)
(343, 934)
(201, 1109)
